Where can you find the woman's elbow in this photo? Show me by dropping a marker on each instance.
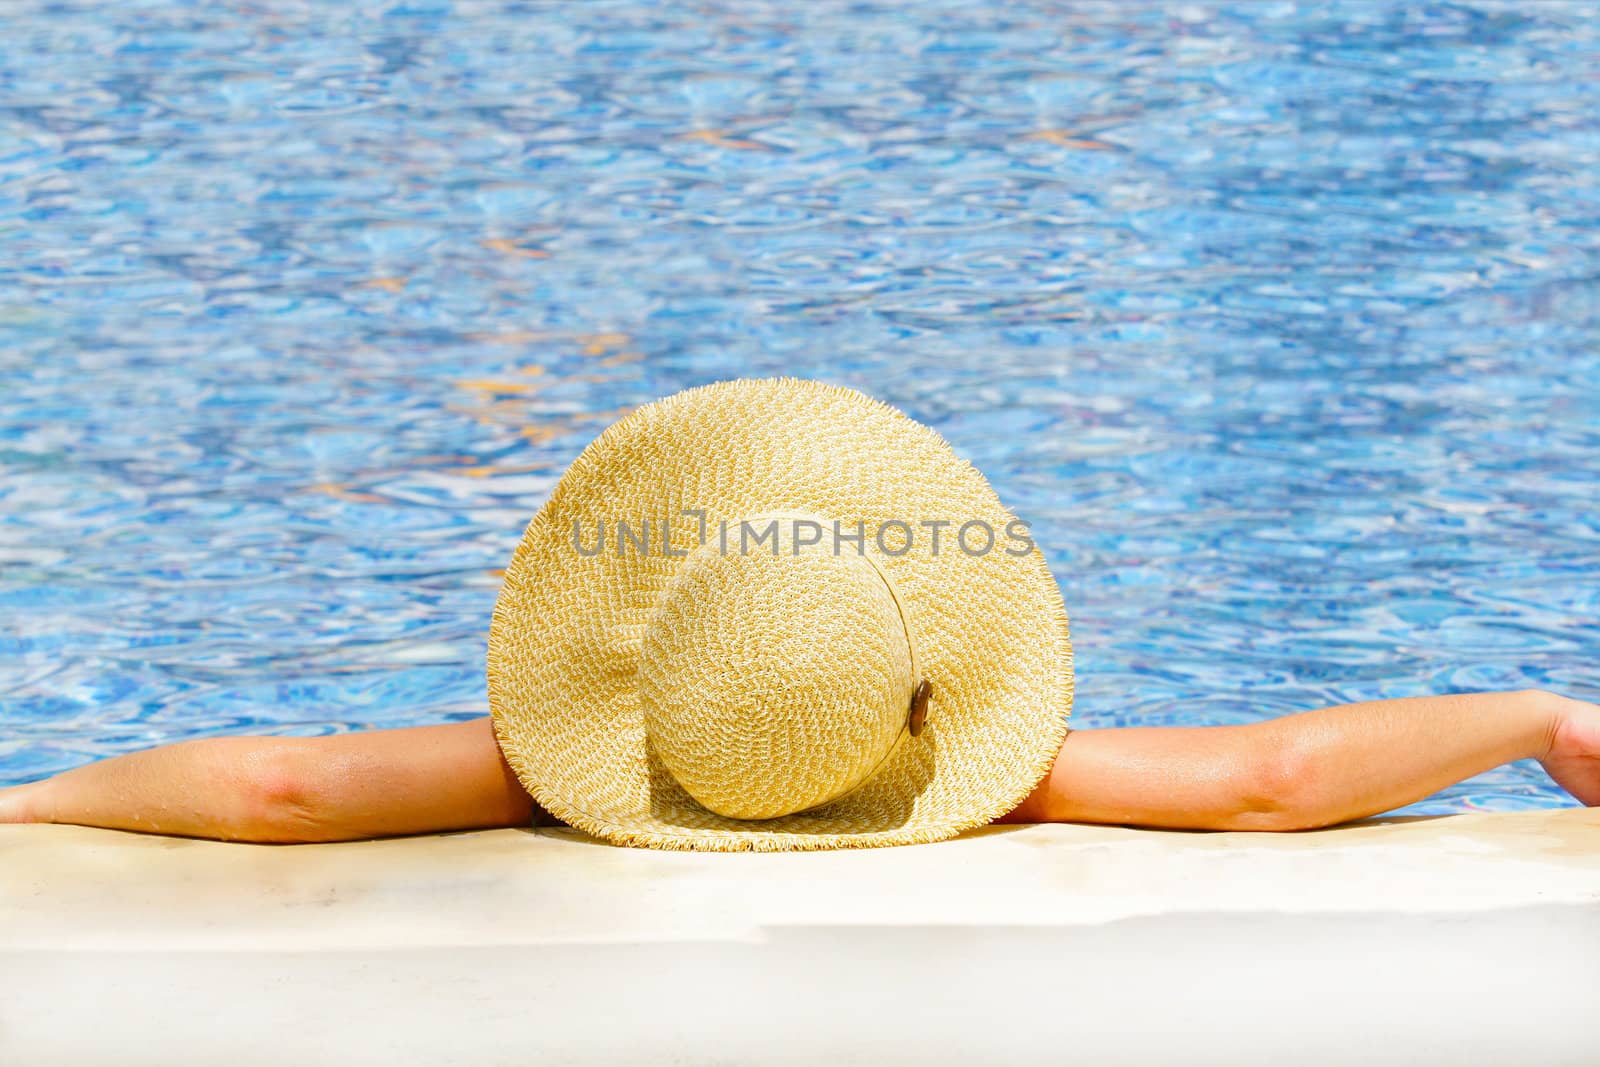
(280, 797)
(1282, 790)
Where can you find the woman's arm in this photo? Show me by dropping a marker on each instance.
(288, 789)
(1315, 768)
(1296, 772)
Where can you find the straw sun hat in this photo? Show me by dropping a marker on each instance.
(775, 614)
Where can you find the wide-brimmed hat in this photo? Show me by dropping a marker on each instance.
(776, 614)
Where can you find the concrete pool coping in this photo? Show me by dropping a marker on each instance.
(1473, 936)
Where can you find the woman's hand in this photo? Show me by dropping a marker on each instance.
(1573, 757)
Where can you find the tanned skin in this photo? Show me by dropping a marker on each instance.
(1297, 772)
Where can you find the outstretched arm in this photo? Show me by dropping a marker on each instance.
(1315, 768)
(1296, 772)
(375, 783)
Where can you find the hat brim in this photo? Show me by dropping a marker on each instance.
(991, 629)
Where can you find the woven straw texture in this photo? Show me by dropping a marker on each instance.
(773, 683)
(625, 684)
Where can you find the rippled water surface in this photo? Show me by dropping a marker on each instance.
(1279, 322)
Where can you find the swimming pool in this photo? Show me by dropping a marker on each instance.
(1279, 323)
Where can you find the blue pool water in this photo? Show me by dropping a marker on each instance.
(1279, 322)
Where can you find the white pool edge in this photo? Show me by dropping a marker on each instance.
(1474, 937)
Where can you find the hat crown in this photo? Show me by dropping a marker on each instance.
(776, 679)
